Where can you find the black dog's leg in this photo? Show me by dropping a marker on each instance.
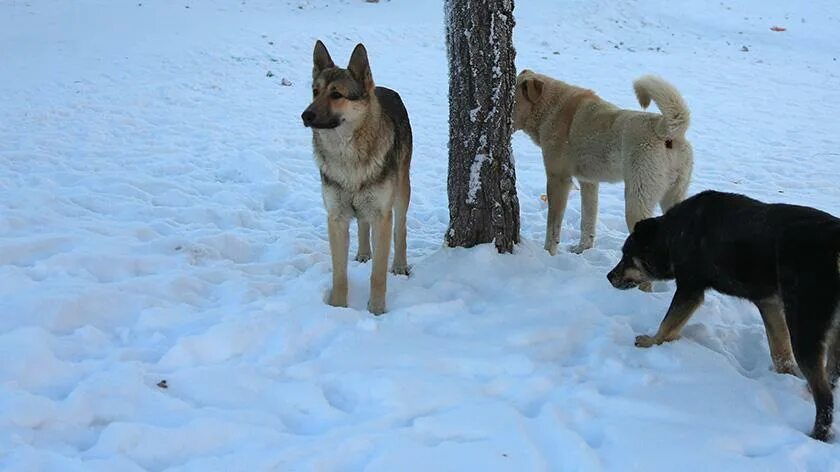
(810, 355)
(807, 286)
(833, 364)
(778, 337)
(683, 305)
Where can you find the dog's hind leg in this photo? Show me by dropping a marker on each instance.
(833, 344)
(401, 200)
(338, 229)
(679, 188)
(675, 193)
(683, 305)
(778, 336)
(643, 189)
(641, 194)
(810, 356)
(363, 254)
(379, 272)
(588, 216)
(833, 363)
(809, 304)
(557, 188)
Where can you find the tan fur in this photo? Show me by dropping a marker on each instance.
(676, 118)
(585, 137)
(778, 336)
(364, 170)
(669, 330)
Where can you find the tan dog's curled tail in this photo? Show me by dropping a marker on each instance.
(675, 114)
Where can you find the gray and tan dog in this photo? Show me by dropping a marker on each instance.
(362, 143)
(585, 137)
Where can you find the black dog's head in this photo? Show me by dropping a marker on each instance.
(641, 257)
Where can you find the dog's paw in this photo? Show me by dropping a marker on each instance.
(401, 270)
(646, 287)
(786, 366)
(362, 257)
(337, 298)
(377, 307)
(551, 248)
(579, 248)
(643, 340)
(824, 434)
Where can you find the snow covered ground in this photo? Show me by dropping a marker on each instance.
(161, 219)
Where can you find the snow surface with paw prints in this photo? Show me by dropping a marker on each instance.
(161, 220)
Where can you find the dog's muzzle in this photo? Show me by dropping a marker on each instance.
(308, 118)
(617, 279)
(310, 121)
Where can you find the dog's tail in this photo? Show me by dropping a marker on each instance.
(675, 113)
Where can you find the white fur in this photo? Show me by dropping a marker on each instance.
(675, 114)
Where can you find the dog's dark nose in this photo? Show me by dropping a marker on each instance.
(611, 276)
(308, 117)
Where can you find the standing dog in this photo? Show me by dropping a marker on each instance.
(362, 144)
(783, 258)
(585, 137)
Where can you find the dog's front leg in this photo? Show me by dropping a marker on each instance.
(683, 305)
(588, 216)
(557, 188)
(338, 229)
(379, 273)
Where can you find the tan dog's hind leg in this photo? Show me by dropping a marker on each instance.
(403, 196)
(778, 337)
(363, 254)
(683, 305)
(557, 187)
(588, 216)
(677, 192)
(637, 207)
(379, 272)
(338, 230)
(636, 210)
(641, 194)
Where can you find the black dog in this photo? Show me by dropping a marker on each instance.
(783, 258)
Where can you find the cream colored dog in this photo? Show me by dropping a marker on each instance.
(585, 137)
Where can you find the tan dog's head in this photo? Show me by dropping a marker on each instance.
(339, 95)
(529, 89)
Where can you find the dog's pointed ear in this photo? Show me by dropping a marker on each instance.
(360, 67)
(646, 229)
(532, 89)
(320, 59)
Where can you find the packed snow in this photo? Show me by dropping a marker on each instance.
(164, 255)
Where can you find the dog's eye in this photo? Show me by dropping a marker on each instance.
(335, 95)
(314, 92)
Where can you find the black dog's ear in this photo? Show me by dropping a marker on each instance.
(646, 230)
(359, 67)
(320, 59)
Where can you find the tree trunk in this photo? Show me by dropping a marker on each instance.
(483, 205)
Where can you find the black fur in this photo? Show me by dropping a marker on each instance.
(393, 107)
(743, 247)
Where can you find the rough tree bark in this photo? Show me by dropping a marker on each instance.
(483, 205)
